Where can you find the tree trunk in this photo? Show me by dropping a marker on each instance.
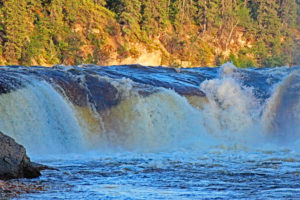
(230, 35)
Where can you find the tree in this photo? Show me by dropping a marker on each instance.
(200, 15)
(129, 15)
(213, 14)
(160, 11)
(100, 2)
(16, 22)
(147, 21)
(288, 13)
(268, 19)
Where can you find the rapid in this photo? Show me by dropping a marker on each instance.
(135, 132)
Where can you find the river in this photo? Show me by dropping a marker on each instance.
(134, 132)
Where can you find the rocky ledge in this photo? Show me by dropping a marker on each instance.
(14, 163)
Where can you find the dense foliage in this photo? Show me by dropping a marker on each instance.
(198, 32)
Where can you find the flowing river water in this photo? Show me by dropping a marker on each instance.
(133, 132)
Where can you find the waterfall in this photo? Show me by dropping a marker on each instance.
(73, 109)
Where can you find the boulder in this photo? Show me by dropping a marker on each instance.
(14, 163)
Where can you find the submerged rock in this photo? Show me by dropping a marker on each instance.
(14, 188)
(9, 81)
(14, 163)
(102, 94)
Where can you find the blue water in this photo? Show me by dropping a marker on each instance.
(156, 133)
(215, 174)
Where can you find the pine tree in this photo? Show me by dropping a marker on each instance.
(129, 15)
(174, 12)
(181, 12)
(16, 21)
(160, 11)
(200, 16)
(213, 14)
(288, 13)
(268, 19)
(147, 22)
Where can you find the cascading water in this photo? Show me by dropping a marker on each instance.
(232, 107)
(41, 119)
(282, 113)
(149, 124)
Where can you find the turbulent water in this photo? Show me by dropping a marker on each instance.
(133, 132)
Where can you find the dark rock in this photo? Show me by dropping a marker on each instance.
(90, 86)
(82, 88)
(43, 167)
(9, 82)
(189, 91)
(14, 188)
(66, 84)
(14, 162)
(184, 83)
(101, 93)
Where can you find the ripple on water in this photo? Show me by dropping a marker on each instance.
(198, 175)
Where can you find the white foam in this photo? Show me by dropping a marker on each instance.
(40, 119)
(232, 107)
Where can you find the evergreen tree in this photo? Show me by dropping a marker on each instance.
(200, 15)
(181, 12)
(16, 21)
(174, 12)
(69, 31)
(148, 21)
(268, 19)
(213, 14)
(288, 13)
(129, 15)
(160, 11)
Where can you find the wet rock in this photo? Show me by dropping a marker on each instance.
(14, 163)
(158, 77)
(9, 82)
(14, 188)
(68, 85)
(90, 86)
(101, 93)
(82, 88)
(190, 91)
(43, 167)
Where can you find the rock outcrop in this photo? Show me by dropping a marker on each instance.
(14, 163)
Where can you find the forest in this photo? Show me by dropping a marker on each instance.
(189, 33)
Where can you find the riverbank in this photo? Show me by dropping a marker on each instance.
(167, 33)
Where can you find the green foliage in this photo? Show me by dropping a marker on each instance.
(148, 21)
(123, 51)
(111, 30)
(199, 32)
(261, 52)
(241, 61)
(173, 11)
(213, 13)
(129, 15)
(288, 13)
(16, 29)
